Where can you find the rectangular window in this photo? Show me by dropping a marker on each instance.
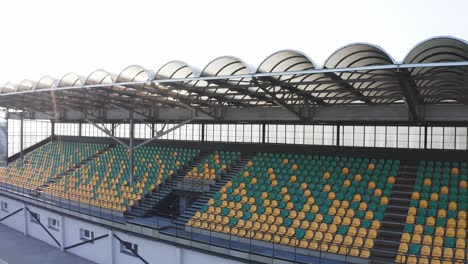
(4, 206)
(35, 218)
(53, 223)
(85, 234)
(128, 248)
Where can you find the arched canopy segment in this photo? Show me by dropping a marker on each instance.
(175, 70)
(26, 85)
(370, 86)
(285, 87)
(9, 88)
(299, 89)
(46, 82)
(232, 91)
(142, 91)
(440, 84)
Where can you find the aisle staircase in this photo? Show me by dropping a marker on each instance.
(190, 211)
(389, 234)
(147, 205)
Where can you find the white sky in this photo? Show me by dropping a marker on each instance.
(56, 37)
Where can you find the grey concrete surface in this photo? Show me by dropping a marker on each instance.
(15, 248)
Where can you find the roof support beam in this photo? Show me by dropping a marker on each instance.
(162, 133)
(411, 95)
(343, 83)
(279, 102)
(295, 90)
(103, 129)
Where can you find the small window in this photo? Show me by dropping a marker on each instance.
(54, 223)
(128, 248)
(4, 206)
(35, 217)
(85, 234)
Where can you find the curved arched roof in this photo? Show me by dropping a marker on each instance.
(355, 74)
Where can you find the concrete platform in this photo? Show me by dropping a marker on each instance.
(16, 248)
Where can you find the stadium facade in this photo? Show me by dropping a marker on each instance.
(360, 160)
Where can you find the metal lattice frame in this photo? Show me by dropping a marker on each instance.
(287, 85)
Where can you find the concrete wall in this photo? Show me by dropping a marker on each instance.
(15, 221)
(105, 250)
(37, 231)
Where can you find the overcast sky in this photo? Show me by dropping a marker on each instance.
(56, 37)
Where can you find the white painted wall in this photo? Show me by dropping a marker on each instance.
(15, 221)
(194, 257)
(149, 250)
(98, 251)
(106, 250)
(36, 230)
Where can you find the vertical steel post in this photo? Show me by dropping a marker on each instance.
(21, 139)
(203, 132)
(132, 126)
(263, 133)
(338, 135)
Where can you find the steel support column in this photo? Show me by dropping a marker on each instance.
(338, 135)
(21, 139)
(411, 95)
(130, 148)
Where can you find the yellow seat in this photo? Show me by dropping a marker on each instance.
(410, 219)
(436, 252)
(309, 234)
(324, 247)
(333, 249)
(461, 243)
(441, 213)
(450, 232)
(412, 259)
(403, 248)
(430, 221)
(451, 223)
(356, 222)
(362, 232)
(438, 241)
(318, 236)
(405, 238)
(453, 206)
(400, 259)
(365, 253)
(423, 204)
(462, 215)
(344, 250)
(448, 253)
(439, 231)
(427, 240)
(372, 233)
(328, 237)
(369, 243)
(348, 240)
(338, 239)
(313, 245)
(352, 231)
(418, 229)
(434, 197)
(461, 223)
(425, 250)
(460, 255)
(416, 239)
(354, 252)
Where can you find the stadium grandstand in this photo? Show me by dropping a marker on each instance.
(360, 160)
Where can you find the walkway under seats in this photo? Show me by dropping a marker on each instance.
(105, 181)
(46, 162)
(215, 165)
(435, 228)
(327, 203)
